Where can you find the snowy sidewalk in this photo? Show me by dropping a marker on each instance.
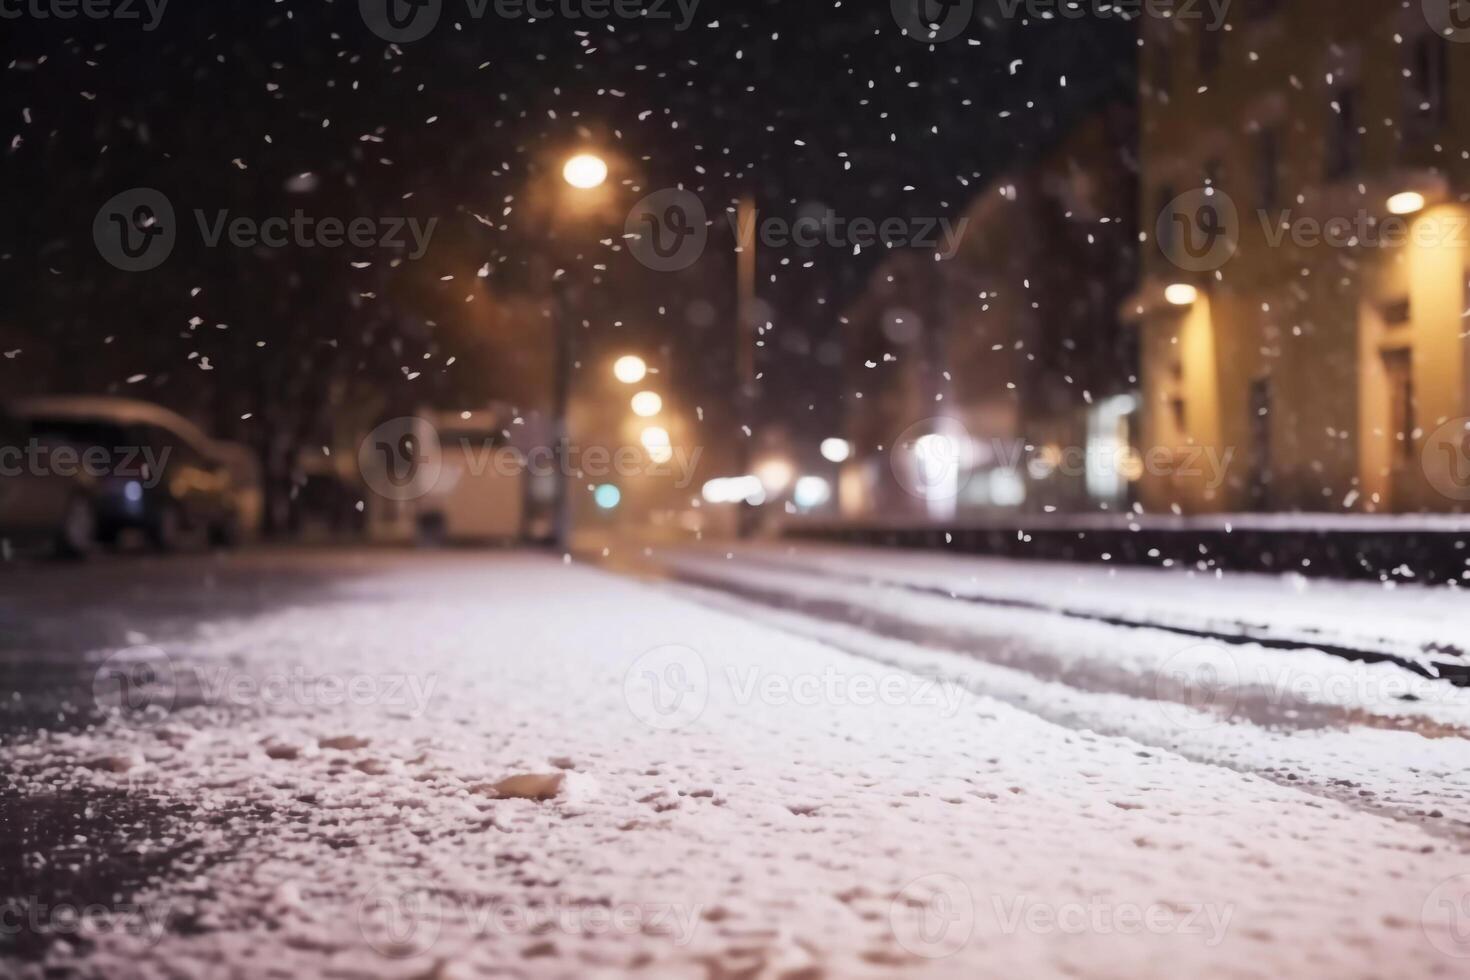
(724, 799)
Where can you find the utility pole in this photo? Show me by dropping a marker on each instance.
(745, 296)
(745, 390)
(565, 358)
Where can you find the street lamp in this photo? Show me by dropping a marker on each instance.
(630, 369)
(1406, 203)
(657, 444)
(585, 171)
(1181, 294)
(836, 450)
(647, 404)
(654, 436)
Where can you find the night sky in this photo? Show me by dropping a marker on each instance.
(223, 104)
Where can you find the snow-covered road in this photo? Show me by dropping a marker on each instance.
(1043, 637)
(464, 764)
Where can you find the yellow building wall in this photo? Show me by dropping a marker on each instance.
(1307, 320)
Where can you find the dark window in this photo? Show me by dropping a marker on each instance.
(1260, 429)
(1398, 367)
(1427, 92)
(80, 433)
(1268, 166)
(1162, 65)
(1166, 227)
(13, 432)
(1209, 50)
(1344, 142)
(1396, 313)
(1214, 174)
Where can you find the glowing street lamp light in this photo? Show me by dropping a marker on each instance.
(654, 436)
(630, 369)
(836, 450)
(656, 442)
(585, 171)
(1407, 202)
(1181, 294)
(647, 404)
(775, 475)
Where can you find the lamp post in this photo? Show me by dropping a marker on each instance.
(745, 390)
(583, 172)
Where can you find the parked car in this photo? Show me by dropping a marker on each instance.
(246, 484)
(152, 470)
(39, 507)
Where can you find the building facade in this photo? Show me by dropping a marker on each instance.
(1300, 311)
